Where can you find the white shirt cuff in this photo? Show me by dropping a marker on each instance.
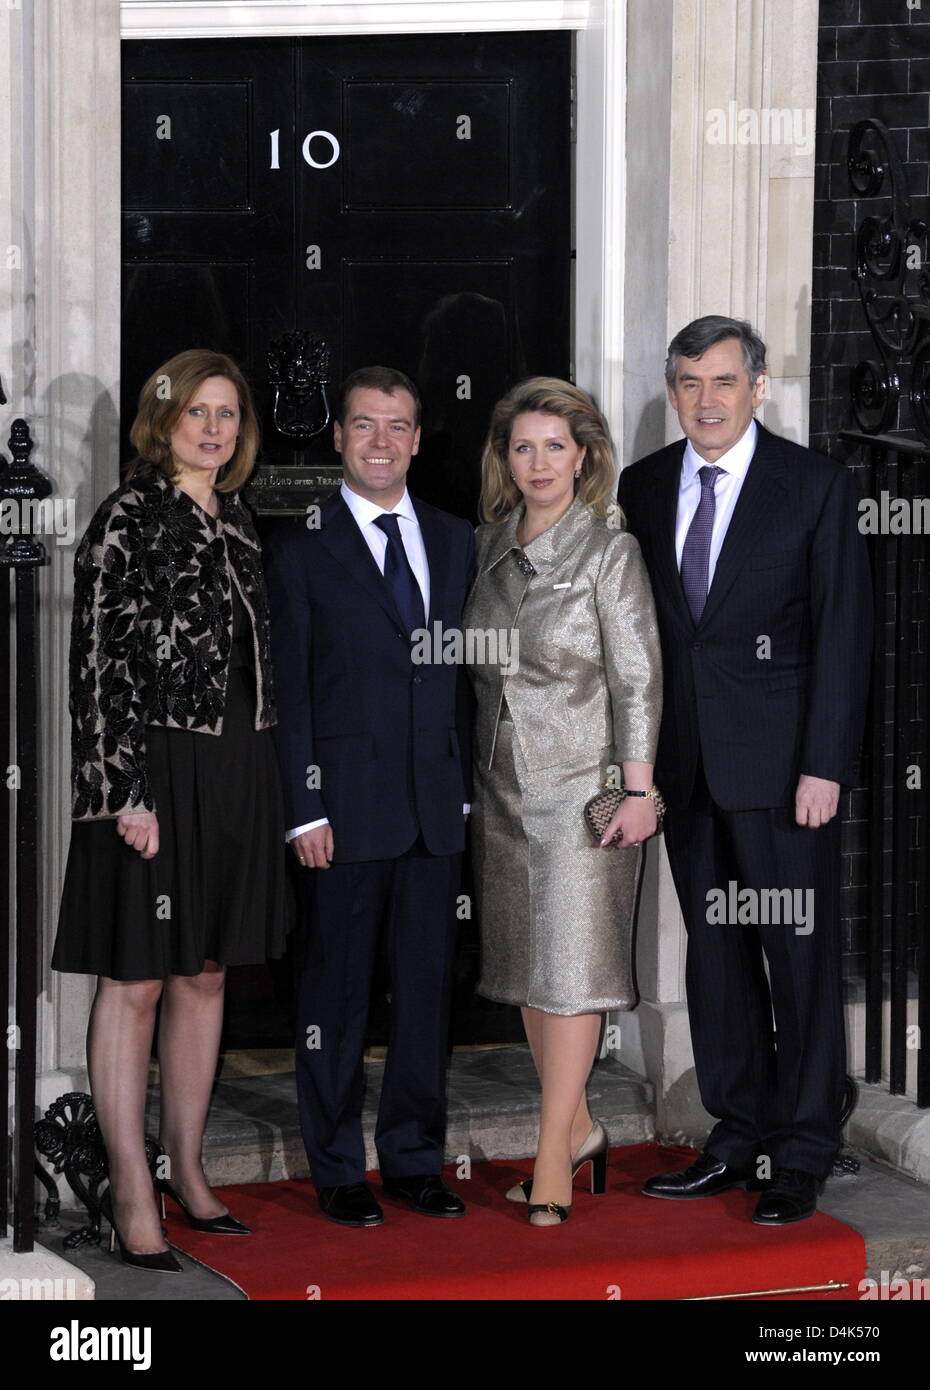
(312, 825)
(292, 834)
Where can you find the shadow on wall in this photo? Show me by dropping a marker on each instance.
(782, 414)
(650, 432)
(79, 450)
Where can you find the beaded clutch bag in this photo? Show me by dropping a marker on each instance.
(601, 809)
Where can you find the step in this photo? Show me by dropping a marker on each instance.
(253, 1133)
(253, 1136)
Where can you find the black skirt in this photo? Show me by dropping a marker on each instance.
(216, 888)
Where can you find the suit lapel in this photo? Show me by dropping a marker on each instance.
(436, 544)
(666, 481)
(341, 536)
(763, 488)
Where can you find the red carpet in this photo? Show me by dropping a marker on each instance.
(619, 1245)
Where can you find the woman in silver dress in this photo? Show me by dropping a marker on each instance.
(573, 698)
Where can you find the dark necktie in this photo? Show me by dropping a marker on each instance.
(695, 556)
(400, 576)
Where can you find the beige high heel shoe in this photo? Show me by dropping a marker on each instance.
(594, 1151)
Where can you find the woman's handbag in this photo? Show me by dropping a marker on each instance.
(601, 809)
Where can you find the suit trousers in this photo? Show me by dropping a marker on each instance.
(412, 899)
(769, 1046)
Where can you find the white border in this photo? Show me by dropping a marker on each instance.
(190, 19)
(600, 210)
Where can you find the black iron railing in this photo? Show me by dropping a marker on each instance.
(890, 400)
(898, 952)
(22, 489)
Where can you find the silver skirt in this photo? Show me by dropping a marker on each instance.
(555, 910)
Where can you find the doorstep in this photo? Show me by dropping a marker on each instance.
(253, 1133)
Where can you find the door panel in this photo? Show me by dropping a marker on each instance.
(408, 199)
(208, 226)
(427, 146)
(405, 198)
(217, 301)
(199, 157)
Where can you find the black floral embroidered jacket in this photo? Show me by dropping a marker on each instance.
(151, 633)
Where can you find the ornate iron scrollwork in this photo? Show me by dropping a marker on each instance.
(69, 1137)
(298, 369)
(920, 389)
(893, 284)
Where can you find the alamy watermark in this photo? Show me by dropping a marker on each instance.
(792, 126)
(894, 1288)
(46, 516)
(76, 1343)
(886, 515)
(475, 646)
(37, 1290)
(743, 907)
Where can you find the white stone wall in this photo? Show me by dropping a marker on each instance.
(59, 356)
(742, 213)
(717, 222)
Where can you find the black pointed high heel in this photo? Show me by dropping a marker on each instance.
(159, 1261)
(225, 1225)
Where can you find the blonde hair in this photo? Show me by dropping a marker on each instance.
(549, 396)
(159, 412)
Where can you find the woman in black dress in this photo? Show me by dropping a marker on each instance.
(176, 863)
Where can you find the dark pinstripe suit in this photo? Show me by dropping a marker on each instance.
(737, 732)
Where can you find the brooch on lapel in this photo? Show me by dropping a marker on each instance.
(524, 564)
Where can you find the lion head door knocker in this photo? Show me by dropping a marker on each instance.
(298, 370)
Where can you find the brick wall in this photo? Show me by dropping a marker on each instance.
(873, 60)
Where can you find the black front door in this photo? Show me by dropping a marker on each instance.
(406, 199)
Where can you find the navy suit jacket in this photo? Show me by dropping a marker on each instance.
(365, 737)
(793, 569)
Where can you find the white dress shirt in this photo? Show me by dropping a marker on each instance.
(366, 514)
(735, 464)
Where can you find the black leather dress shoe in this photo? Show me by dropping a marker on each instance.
(705, 1177)
(790, 1196)
(426, 1193)
(352, 1205)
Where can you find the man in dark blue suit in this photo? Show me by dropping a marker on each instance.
(374, 750)
(761, 583)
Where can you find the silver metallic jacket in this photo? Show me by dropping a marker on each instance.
(587, 626)
(151, 633)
